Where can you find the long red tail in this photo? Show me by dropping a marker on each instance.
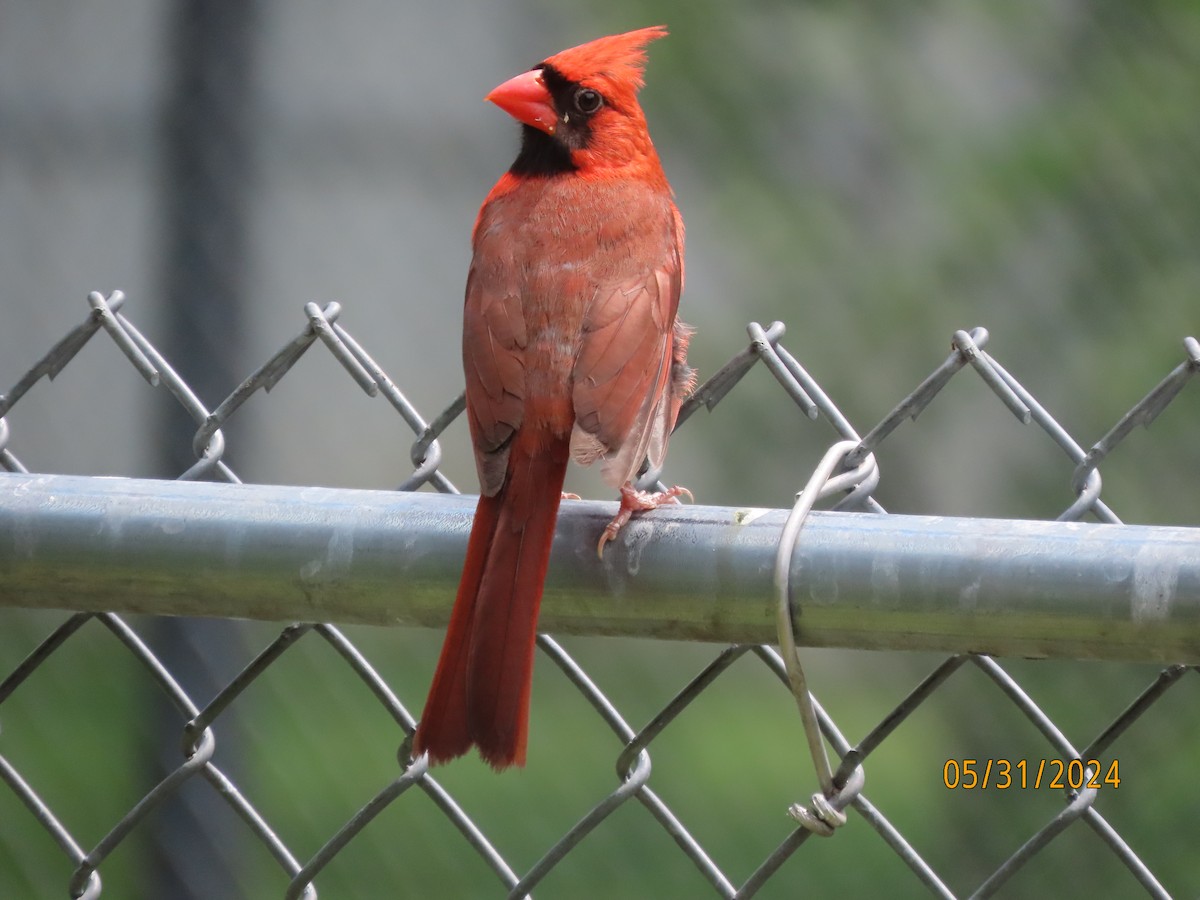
(480, 691)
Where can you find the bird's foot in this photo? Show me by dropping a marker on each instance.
(633, 500)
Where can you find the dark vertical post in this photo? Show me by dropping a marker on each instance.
(209, 122)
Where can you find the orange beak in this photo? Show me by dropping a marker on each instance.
(526, 99)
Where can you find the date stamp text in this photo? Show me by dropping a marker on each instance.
(1021, 774)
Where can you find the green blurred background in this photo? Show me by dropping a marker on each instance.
(875, 175)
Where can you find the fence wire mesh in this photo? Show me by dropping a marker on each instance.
(979, 796)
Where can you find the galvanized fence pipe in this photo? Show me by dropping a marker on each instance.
(864, 580)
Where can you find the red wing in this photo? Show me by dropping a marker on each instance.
(622, 377)
(493, 356)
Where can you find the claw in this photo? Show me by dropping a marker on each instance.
(633, 500)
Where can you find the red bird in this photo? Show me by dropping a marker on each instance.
(572, 350)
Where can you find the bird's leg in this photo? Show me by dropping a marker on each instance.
(567, 495)
(633, 500)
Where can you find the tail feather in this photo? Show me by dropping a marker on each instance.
(444, 731)
(480, 692)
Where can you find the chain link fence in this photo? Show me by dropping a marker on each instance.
(970, 775)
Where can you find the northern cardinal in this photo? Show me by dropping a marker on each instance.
(572, 350)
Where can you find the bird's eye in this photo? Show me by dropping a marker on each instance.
(588, 101)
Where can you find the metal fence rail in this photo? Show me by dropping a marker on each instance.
(1057, 589)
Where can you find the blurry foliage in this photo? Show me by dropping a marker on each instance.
(884, 174)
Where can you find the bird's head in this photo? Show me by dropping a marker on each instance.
(579, 108)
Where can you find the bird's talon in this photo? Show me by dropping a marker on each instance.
(672, 494)
(633, 500)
